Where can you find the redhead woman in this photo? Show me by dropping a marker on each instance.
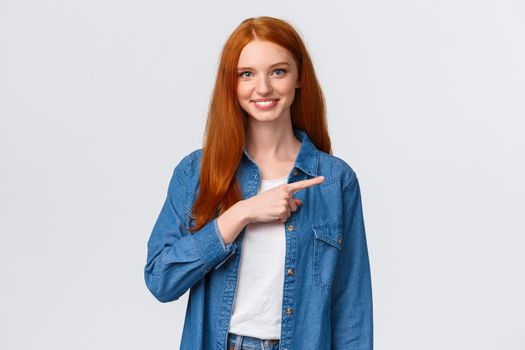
(263, 225)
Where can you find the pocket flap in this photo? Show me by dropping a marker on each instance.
(329, 233)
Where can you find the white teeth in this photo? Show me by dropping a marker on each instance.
(264, 102)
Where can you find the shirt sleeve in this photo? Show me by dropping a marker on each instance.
(352, 314)
(176, 258)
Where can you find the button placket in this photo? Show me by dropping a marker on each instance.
(290, 230)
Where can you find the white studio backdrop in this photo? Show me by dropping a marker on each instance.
(99, 101)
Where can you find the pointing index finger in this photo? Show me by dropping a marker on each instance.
(301, 185)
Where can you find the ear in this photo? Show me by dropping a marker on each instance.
(298, 85)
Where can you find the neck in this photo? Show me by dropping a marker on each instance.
(266, 140)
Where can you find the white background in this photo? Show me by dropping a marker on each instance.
(99, 100)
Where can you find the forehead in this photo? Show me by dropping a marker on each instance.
(263, 53)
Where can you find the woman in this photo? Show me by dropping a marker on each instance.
(263, 225)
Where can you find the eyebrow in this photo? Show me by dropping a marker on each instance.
(273, 65)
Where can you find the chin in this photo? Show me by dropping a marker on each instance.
(264, 117)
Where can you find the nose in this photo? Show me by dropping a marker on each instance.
(263, 86)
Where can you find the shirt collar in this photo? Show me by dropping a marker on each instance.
(308, 157)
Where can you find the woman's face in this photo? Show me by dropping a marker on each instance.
(266, 72)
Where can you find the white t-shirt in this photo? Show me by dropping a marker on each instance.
(258, 297)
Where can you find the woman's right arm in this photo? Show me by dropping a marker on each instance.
(176, 258)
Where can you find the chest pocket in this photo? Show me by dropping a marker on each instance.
(328, 240)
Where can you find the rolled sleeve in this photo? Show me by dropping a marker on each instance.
(210, 244)
(178, 259)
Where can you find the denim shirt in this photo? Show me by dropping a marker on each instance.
(327, 293)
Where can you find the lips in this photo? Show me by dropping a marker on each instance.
(265, 104)
(265, 99)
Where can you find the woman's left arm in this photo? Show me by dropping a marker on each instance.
(351, 309)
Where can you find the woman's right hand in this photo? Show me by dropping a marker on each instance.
(277, 203)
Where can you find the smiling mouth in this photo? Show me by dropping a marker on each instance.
(265, 102)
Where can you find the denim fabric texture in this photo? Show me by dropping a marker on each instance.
(327, 292)
(241, 342)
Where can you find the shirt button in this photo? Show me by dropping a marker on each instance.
(289, 310)
(340, 240)
(290, 272)
(290, 227)
(295, 172)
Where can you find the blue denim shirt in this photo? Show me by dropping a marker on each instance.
(327, 294)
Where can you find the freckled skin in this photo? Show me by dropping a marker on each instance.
(263, 80)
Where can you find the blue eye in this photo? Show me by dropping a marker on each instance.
(280, 71)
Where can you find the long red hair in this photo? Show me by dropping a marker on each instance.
(226, 126)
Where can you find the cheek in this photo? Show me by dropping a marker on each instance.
(288, 88)
(289, 92)
(243, 92)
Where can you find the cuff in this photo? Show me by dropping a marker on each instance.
(210, 245)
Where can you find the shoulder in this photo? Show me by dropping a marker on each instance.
(186, 171)
(336, 169)
(185, 178)
(188, 164)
